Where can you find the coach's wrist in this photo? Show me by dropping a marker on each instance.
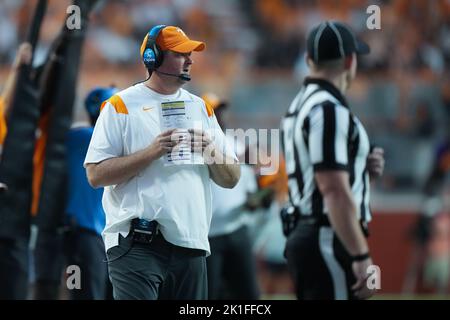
(154, 153)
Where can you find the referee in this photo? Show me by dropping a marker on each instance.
(329, 163)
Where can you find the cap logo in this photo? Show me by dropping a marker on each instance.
(181, 31)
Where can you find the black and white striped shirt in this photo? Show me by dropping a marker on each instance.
(319, 132)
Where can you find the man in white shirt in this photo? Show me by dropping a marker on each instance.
(167, 207)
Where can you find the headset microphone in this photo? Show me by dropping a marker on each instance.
(182, 76)
(185, 77)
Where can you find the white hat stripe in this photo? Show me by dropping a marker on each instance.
(338, 35)
(316, 42)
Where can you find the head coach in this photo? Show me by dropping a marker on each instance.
(157, 216)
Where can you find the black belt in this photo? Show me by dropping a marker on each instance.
(320, 221)
(323, 221)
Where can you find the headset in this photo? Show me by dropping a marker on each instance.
(153, 55)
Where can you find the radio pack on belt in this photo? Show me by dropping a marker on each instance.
(289, 217)
(143, 230)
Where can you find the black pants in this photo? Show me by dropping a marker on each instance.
(319, 264)
(159, 270)
(78, 246)
(231, 267)
(13, 269)
(86, 249)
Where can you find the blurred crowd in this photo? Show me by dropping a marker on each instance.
(255, 55)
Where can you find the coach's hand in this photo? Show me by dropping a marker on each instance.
(375, 162)
(199, 140)
(360, 271)
(165, 142)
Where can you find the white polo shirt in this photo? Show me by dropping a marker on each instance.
(178, 197)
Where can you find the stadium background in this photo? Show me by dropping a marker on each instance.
(255, 58)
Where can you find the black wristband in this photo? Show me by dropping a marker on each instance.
(361, 257)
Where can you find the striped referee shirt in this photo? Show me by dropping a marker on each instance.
(319, 132)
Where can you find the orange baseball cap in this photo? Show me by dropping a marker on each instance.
(174, 39)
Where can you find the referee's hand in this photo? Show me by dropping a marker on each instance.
(360, 287)
(375, 162)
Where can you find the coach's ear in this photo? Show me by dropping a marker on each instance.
(348, 62)
(309, 61)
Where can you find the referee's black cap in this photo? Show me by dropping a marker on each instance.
(333, 40)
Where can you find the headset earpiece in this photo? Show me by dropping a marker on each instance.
(153, 55)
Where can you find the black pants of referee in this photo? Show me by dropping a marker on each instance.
(319, 264)
(232, 267)
(158, 270)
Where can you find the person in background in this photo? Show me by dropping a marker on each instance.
(231, 265)
(86, 219)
